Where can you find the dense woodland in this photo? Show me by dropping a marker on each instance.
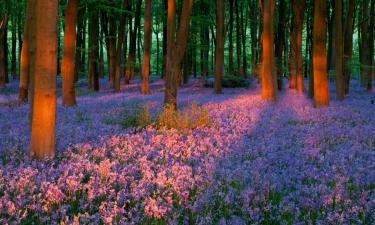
(48, 47)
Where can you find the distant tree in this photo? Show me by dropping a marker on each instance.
(219, 51)
(146, 51)
(340, 90)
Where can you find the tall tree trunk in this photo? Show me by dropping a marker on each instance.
(254, 40)
(176, 48)
(130, 65)
(230, 37)
(340, 90)
(165, 12)
(3, 50)
(93, 51)
(119, 50)
(43, 74)
(370, 64)
(269, 85)
(348, 44)
(238, 39)
(321, 95)
(25, 52)
(219, 51)
(147, 46)
(279, 45)
(14, 49)
(79, 44)
(298, 13)
(68, 65)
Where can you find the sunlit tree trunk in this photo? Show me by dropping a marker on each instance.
(43, 74)
(176, 47)
(146, 48)
(298, 13)
(269, 85)
(321, 95)
(68, 64)
(219, 51)
(340, 91)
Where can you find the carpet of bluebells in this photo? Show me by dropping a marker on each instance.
(258, 163)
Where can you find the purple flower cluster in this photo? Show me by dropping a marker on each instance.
(270, 163)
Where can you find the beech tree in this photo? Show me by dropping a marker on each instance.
(321, 95)
(268, 78)
(43, 70)
(176, 45)
(147, 46)
(68, 64)
(219, 56)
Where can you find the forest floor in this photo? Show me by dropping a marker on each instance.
(261, 163)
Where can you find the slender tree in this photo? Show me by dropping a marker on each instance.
(146, 51)
(219, 51)
(321, 95)
(298, 14)
(348, 43)
(176, 45)
(43, 74)
(68, 64)
(93, 51)
(340, 90)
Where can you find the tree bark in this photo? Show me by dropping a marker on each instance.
(298, 13)
(269, 85)
(68, 64)
(146, 50)
(348, 44)
(340, 90)
(219, 50)
(93, 51)
(25, 52)
(321, 95)
(175, 48)
(43, 75)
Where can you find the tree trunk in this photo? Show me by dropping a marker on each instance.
(146, 51)
(175, 48)
(340, 90)
(68, 65)
(120, 44)
(321, 95)
(3, 53)
(219, 50)
(93, 51)
(238, 39)
(25, 53)
(269, 84)
(43, 74)
(254, 40)
(298, 13)
(279, 45)
(230, 37)
(348, 44)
